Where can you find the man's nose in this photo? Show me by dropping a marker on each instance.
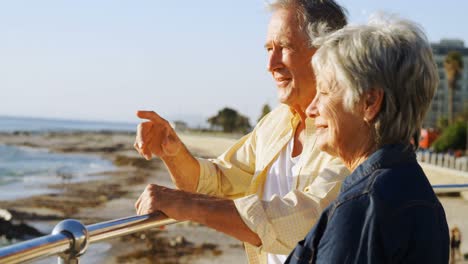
(311, 110)
(274, 60)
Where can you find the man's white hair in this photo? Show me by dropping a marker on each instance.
(388, 53)
(316, 17)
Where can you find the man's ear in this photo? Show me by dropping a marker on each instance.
(373, 104)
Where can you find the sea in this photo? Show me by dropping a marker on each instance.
(12, 124)
(28, 171)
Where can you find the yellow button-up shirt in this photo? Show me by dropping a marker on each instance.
(240, 174)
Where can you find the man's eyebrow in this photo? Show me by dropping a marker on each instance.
(285, 43)
(281, 42)
(268, 44)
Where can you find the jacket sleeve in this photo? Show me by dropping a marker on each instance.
(283, 221)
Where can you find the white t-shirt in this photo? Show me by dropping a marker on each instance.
(280, 180)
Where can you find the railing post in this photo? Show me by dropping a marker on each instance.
(79, 240)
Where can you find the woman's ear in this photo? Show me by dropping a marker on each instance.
(373, 104)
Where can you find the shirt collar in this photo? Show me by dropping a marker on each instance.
(291, 110)
(387, 156)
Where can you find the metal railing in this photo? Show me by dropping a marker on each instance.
(444, 160)
(70, 239)
(450, 188)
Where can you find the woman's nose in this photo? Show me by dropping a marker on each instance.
(311, 110)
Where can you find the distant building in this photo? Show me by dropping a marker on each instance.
(180, 126)
(439, 106)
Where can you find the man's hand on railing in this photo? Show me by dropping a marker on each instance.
(159, 198)
(146, 203)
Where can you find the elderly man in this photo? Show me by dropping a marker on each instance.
(270, 187)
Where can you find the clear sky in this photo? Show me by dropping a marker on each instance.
(103, 60)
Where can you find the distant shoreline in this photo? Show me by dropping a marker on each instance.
(35, 125)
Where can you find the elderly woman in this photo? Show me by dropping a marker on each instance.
(375, 83)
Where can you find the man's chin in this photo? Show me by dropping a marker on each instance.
(285, 99)
(290, 103)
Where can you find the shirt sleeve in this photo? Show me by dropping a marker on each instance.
(283, 221)
(230, 174)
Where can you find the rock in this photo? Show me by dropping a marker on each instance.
(20, 231)
(209, 246)
(102, 198)
(5, 215)
(179, 241)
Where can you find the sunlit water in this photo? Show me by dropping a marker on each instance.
(27, 171)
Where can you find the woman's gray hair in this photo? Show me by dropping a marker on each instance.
(316, 17)
(391, 54)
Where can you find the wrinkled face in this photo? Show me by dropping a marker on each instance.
(289, 60)
(340, 131)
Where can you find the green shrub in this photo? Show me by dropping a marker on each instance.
(452, 138)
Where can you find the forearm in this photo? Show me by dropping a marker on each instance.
(217, 213)
(184, 169)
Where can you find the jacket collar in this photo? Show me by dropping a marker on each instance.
(385, 157)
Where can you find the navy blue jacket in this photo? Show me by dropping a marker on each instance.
(386, 212)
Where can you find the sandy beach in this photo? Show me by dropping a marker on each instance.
(113, 193)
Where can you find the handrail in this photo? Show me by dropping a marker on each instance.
(35, 248)
(64, 238)
(448, 188)
(70, 238)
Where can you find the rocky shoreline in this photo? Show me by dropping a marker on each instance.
(112, 196)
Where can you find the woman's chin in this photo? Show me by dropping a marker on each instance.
(323, 146)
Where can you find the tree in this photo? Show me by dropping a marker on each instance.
(442, 123)
(453, 137)
(230, 121)
(453, 65)
(265, 110)
(463, 116)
